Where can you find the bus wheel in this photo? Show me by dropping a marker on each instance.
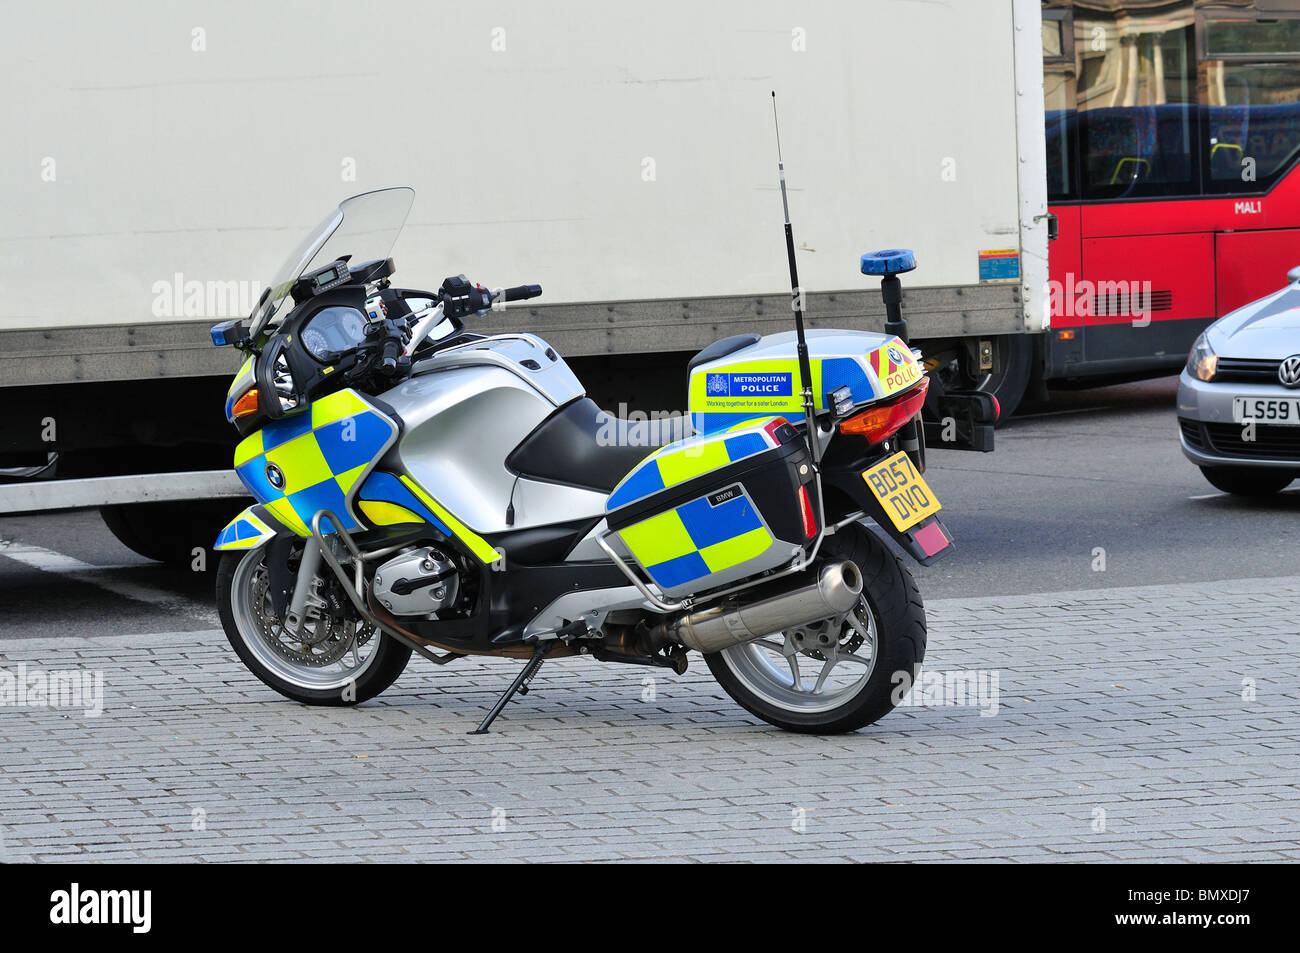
(958, 366)
(1009, 379)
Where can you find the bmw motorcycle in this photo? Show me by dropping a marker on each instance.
(424, 488)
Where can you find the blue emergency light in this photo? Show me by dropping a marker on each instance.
(228, 332)
(890, 261)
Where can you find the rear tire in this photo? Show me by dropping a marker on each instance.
(894, 602)
(1248, 481)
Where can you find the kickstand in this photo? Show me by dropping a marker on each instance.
(520, 684)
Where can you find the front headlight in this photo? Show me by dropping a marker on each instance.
(1202, 362)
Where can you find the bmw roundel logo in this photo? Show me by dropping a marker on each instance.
(275, 476)
(895, 355)
(1288, 373)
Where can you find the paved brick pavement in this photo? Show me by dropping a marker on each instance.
(1121, 732)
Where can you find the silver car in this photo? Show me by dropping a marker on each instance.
(1239, 396)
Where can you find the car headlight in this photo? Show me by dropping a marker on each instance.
(1202, 362)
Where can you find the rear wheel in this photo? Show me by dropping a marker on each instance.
(331, 661)
(831, 677)
(1248, 481)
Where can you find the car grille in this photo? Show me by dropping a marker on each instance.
(1238, 370)
(1270, 443)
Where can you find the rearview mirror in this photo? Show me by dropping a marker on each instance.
(1294, 274)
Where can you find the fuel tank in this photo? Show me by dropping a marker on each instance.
(464, 410)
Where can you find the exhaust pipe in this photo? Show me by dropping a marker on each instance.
(746, 616)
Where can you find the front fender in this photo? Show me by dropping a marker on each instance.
(249, 530)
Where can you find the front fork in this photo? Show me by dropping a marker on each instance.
(308, 568)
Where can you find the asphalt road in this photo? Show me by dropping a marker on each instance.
(1088, 470)
(1092, 469)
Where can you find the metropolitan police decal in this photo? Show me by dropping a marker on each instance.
(750, 385)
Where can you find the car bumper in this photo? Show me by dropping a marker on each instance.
(1210, 437)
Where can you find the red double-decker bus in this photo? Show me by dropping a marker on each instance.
(1173, 132)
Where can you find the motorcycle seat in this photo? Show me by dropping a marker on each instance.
(582, 445)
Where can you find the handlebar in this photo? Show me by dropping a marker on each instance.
(521, 292)
(461, 296)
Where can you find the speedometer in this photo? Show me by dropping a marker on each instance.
(333, 332)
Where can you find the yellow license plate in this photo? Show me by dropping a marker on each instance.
(902, 491)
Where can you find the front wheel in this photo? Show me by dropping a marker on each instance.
(826, 678)
(330, 661)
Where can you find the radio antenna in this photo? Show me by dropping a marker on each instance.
(796, 301)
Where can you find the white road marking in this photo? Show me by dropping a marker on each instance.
(1207, 496)
(47, 560)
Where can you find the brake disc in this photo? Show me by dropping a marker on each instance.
(329, 638)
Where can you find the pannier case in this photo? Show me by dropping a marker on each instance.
(710, 510)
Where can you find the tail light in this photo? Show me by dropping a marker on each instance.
(878, 422)
(245, 405)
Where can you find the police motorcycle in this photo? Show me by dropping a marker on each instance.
(425, 488)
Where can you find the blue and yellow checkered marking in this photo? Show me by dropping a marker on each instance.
(697, 539)
(321, 453)
(245, 531)
(383, 487)
(690, 458)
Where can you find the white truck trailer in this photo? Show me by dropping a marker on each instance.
(623, 156)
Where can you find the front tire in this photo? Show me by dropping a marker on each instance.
(756, 676)
(353, 677)
(1248, 481)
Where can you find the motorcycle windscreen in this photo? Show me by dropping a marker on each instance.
(315, 459)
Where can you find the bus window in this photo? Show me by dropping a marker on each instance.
(1138, 124)
(1058, 97)
(1237, 36)
(1250, 77)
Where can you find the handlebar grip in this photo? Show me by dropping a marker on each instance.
(521, 292)
(388, 357)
